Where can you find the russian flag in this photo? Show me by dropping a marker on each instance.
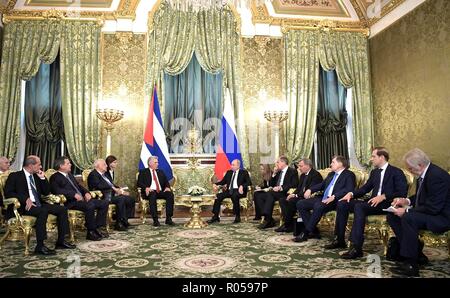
(155, 143)
(228, 147)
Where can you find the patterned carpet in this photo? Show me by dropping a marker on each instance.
(222, 250)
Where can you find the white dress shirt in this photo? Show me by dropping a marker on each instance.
(383, 171)
(234, 182)
(153, 185)
(30, 192)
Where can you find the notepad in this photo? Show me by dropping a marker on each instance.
(390, 209)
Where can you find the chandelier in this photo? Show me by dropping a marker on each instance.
(199, 5)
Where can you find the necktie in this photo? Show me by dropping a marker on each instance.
(327, 193)
(419, 188)
(156, 181)
(73, 185)
(302, 190)
(232, 180)
(377, 183)
(34, 191)
(107, 180)
(279, 179)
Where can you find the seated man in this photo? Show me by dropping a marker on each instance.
(27, 186)
(154, 185)
(339, 182)
(386, 182)
(428, 209)
(309, 176)
(283, 179)
(235, 185)
(79, 198)
(97, 180)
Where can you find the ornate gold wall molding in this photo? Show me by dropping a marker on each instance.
(126, 9)
(325, 25)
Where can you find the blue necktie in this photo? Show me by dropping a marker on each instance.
(34, 191)
(326, 194)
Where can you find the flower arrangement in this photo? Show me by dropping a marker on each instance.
(196, 190)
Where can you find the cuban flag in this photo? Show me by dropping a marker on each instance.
(228, 145)
(155, 143)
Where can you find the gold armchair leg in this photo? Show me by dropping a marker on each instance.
(143, 211)
(110, 220)
(384, 236)
(27, 234)
(72, 229)
(8, 231)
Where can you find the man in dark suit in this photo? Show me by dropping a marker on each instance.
(27, 186)
(283, 179)
(309, 177)
(386, 182)
(79, 198)
(339, 182)
(428, 209)
(97, 180)
(154, 185)
(235, 185)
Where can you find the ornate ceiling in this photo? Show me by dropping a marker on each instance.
(352, 14)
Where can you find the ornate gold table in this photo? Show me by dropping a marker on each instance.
(195, 203)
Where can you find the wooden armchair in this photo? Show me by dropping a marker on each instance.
(20, 227)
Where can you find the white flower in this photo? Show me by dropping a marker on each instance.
(196, 190)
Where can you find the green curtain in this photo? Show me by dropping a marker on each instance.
(80, 89)
(347, 52)
(301, 82)
(27, 44)
(192, 97)
(213, 35)
(331, 119)
(43, 114)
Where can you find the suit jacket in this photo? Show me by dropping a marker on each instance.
(313, 178)
(96, 182)
(394, 184)
(434, 197)
(60, 185)
(145, 180)
(290, 180)
(345, 183)
(17, 187)
(243, 178)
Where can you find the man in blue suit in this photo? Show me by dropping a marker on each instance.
(386, 182)
(338, 183)
(428, 209)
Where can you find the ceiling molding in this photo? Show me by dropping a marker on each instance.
(261, 15)
(393, 4)
(394, 14)
(126, 10)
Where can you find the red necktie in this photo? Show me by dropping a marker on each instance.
(156, 181)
